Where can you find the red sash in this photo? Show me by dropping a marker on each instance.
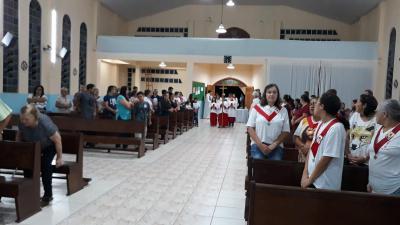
(310, 123)
(386, 139)
(269, 118)
(318, 138)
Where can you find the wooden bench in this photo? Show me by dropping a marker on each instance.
(153, 132)
(102, 131)
(173, 124)
(164, 128)
(283, 205)
(188, 119)
(72, 143)
(180, 123)
(25, 190)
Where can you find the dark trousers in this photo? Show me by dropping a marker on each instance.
(46, 169)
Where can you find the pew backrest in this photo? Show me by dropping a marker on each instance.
(20, 155)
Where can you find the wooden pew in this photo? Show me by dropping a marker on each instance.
(188, 119)
(164, 128)
(283, 205)
(181, 122)
(173, 124)
(25, 190)
(105, 131)
(153, 132)
(72, 143)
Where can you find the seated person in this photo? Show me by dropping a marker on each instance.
(63, 104)
(38, 98)
(384, 151)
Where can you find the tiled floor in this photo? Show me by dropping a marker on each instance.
(196, 179)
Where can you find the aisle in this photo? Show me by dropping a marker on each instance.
(194, 180)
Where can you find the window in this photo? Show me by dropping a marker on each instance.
(35, 33)
(10, 53)
(390, 67)
(82, 54)
(66, 61)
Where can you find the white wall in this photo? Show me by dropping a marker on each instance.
(110, 23)
(259, 21)
(107, 75)
(367, 28)
(202, 73)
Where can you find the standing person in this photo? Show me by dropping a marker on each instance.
(384, 151)
(110, 103)
(87, 103)
(99, 101)
(5, 117)
(165, 105)
(223, 119)
(75, 100)
(362, 128)
(38, 127)
(155, 99)
(256, 99)
(214, 111)
(170, 90)
(268, 125)
(232, 107)
(195, 107)
(38, 98)
(124, 106)
(303, 111)
(207, 102)
(304, 133)
(63, 104)
(141, 111)
(324, 164)
(147, 98)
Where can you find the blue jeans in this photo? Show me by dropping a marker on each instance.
(396, 193)
(276, 154)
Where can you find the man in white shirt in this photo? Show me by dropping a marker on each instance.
(324, 164)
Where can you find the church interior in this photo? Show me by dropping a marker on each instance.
(126, 125)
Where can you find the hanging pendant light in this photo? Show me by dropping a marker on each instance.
(230, 3)
(221, 29)
(231, 66)
(162, 64)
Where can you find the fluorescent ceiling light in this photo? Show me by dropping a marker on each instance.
(6, 41)
(53, 54)
(221, 29)
(115, 61)
(231, 66)
(162, 65)
(230, 3)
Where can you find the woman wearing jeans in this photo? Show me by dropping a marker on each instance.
(268, 125)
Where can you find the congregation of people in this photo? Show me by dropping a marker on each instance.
(118, 104)
(223, 110)
(328, 136)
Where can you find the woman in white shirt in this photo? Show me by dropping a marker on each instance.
(362, 128)
(324, 164)
(268, 125)
(38, 98)
(384, 151)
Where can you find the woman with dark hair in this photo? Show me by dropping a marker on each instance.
(214, 109)
(123, 105)
(362, 128)
(384, 151)
(38, 98)
(302, 112)
(304, 133)
(324, 164)
(268, 125)
(110, 103)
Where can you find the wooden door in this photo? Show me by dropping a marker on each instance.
(249, 97)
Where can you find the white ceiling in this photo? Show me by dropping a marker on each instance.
(348, 11)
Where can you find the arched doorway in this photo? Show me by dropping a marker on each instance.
(232, 85)
(390, 67)
(235, 32)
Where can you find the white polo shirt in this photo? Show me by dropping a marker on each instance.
(384, 171)
(332, 145)
(269, 133)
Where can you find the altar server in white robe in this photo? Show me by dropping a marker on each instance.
(207, 104)
(232, 107)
